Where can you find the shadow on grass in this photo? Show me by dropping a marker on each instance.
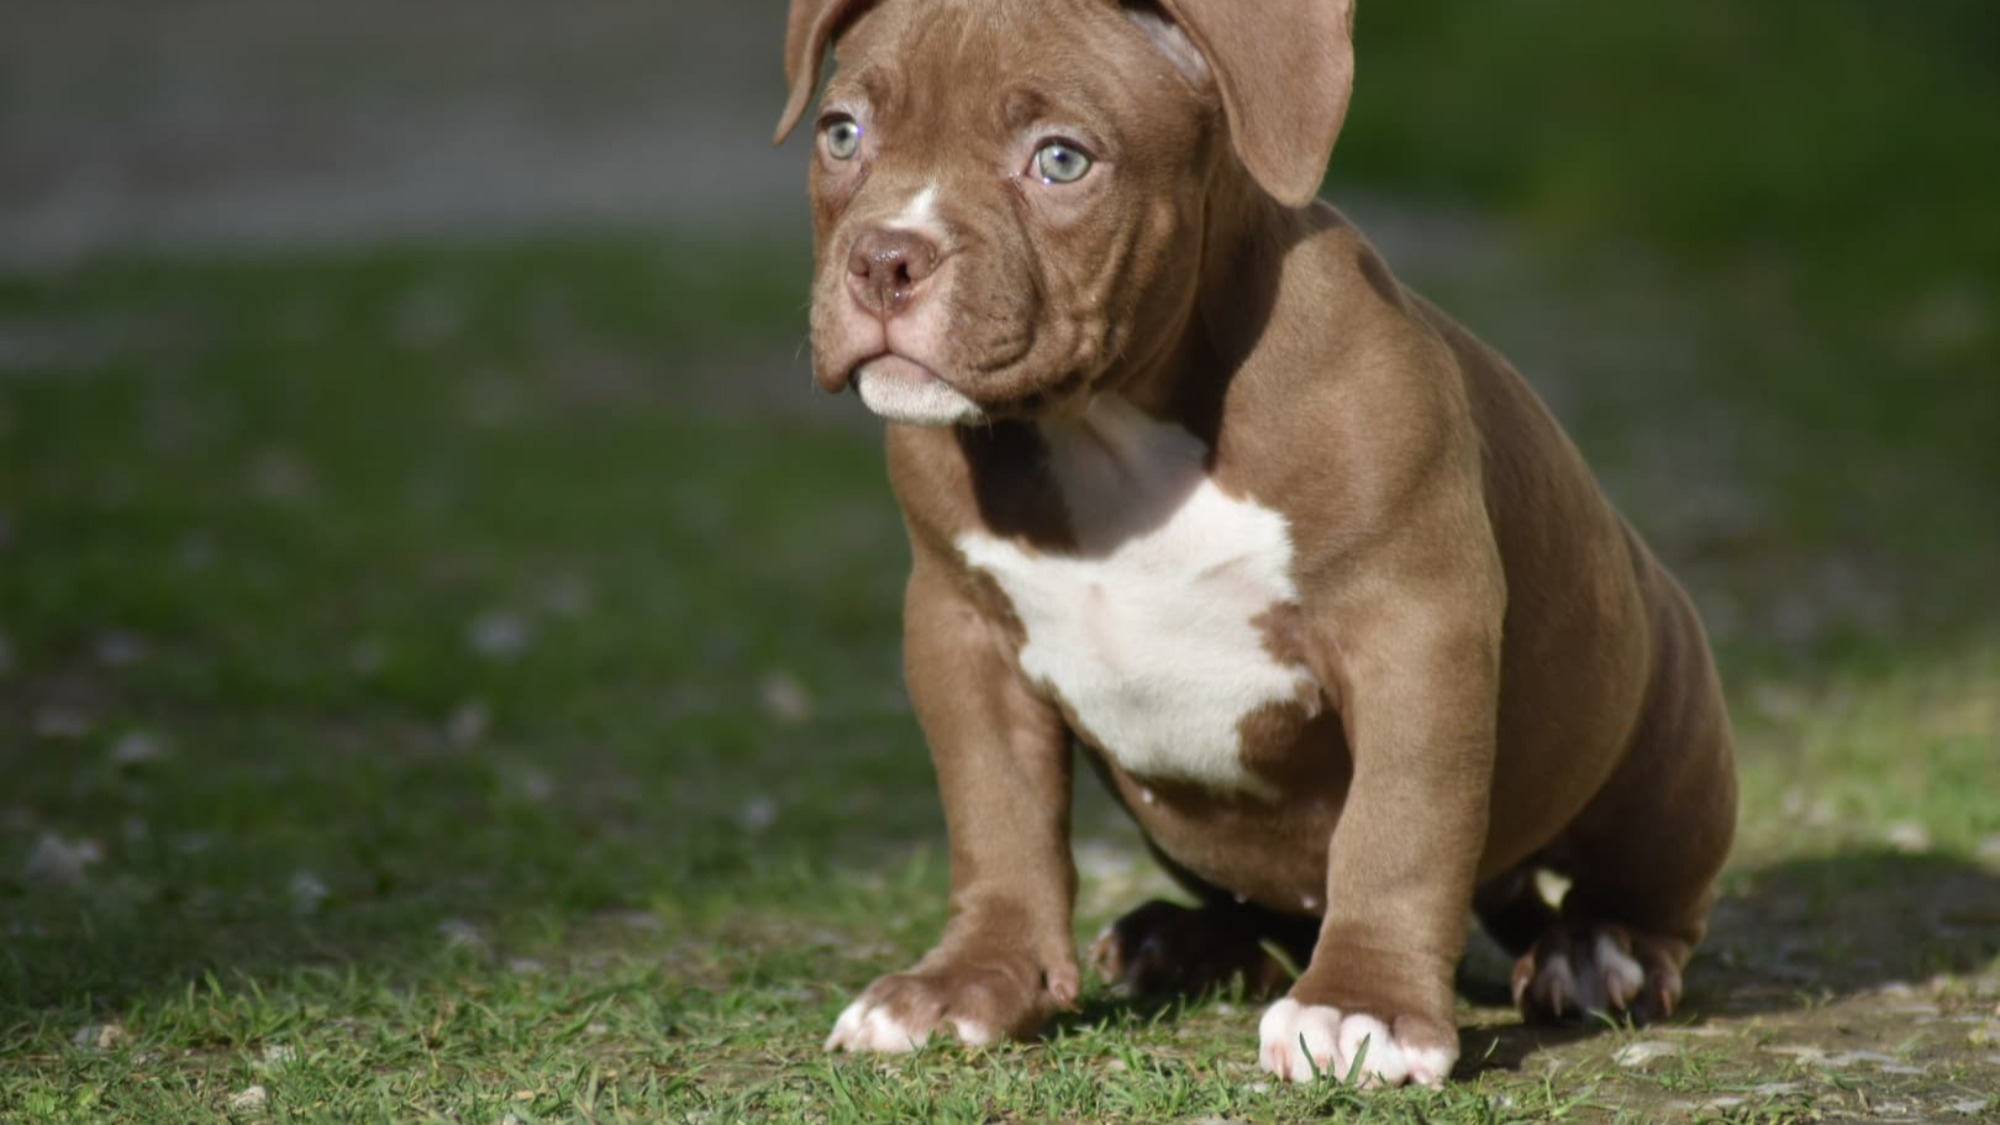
(1792, 936)
(1800, 934)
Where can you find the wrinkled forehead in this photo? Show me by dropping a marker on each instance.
(1003, 63)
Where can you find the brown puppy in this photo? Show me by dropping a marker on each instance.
(1332, 604)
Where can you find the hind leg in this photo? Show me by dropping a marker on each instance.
(1163, 950)
(1512, 910)
(1643, 856)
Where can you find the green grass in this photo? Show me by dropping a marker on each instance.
(1823, 173)
(460, 684)
(529, 740)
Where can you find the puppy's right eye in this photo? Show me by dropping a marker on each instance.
(843, 137)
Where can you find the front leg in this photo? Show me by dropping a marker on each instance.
(1420, 685)
(1007, 960)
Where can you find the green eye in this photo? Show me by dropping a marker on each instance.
(1058, 163)
(843, 138)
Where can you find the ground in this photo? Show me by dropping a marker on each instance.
(453, 677)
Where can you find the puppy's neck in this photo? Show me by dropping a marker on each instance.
(1240, 256)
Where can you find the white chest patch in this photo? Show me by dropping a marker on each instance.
(1152, 631)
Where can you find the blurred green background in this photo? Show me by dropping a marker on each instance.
(1823, 174)
(448, 652)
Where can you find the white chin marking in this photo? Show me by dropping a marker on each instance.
(1300, 1043)
(914, 397)
(863, 1027)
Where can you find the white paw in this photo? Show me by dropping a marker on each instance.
(1301, 1043)
(871, 1027)
(1608, 981)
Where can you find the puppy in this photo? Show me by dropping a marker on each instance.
(1329, 601)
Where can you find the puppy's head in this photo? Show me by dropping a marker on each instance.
(1009, 195)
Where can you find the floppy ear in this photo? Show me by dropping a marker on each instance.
(808, 33)
(1285, 69)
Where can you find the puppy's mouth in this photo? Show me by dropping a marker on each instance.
(902, 390)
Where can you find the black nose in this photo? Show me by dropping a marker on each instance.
(886, 269)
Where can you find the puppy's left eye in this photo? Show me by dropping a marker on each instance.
(1060, 163)
(843, 137)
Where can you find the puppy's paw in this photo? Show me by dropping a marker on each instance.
(978, 1004)
(1162, 950)
(1582, 970)
(1301, 1042)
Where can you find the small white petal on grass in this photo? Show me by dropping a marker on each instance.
(120, 649)
(1644, 1051)
(429, 315)
(136, 748)
(279, 1054)
(1850, 1058)
(1103, 859)
(58, 722)
(249, 1101)
(101, 1036)
(1779, 701)
(1908, 837)
(531, 783)
(1813, 812)
(567, 594)
(468, 723)
(1968, 1107)
(280, 476)
(637, 919)
(56, 862)
(309, 892)
(367, 656)
(757, 814)
(492, 400)
(499, 634)
(461, 934)
(196, 550)
(431, 493)
(785, 698)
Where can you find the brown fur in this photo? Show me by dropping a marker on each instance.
(1509, 679)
